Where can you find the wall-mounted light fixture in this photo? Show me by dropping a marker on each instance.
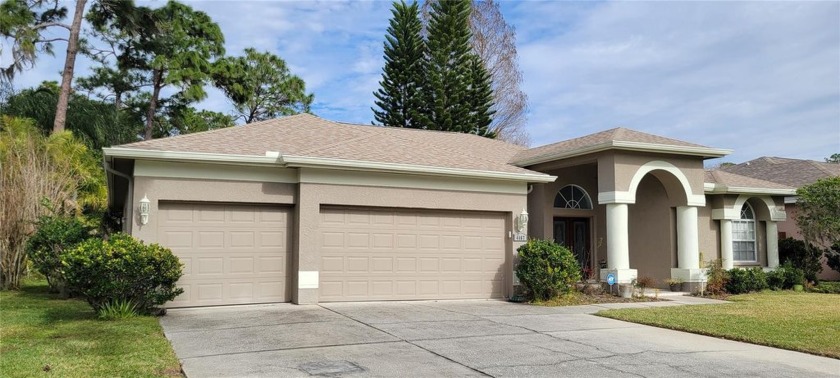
(145, 204)
(522, 222)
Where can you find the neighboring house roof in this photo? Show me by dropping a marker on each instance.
(617, 138)
(305, 139)
(791, 172)
(717, 181)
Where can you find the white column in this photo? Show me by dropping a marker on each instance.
(726, 244)
(618, 246)
(688, 242)
(772, 245)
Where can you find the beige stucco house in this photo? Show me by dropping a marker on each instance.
(307, 210)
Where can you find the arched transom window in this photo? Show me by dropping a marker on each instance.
(743, 235)
(572, 197)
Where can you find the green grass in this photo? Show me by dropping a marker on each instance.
(806, 322)
(40, 332)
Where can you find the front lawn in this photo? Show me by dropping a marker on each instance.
(806, 322)
(40, 333)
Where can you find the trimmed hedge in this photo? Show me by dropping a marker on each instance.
(122, 270)
(546, 269)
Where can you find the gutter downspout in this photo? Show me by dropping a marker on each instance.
(128, 219)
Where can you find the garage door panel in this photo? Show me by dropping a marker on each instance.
(232, 254)
(379, 254)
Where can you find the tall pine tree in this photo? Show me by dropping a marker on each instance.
(448, 65)
(480, 100)
(401, 98)
(460, 85)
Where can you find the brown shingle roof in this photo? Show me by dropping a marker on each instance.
(311, 136)
(790, 172)
(717, 176)
(618, 134)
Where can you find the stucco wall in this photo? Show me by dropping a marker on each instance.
(627, 164)
(651, 231)
(709, 233)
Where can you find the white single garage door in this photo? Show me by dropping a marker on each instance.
(232, 254)
(401, 254)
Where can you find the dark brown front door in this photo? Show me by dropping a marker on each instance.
(574, 234)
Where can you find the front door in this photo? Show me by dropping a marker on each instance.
(574, 234)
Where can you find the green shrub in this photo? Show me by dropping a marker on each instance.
(776, 279)
(54, 235)
(716, 277)
(546, 269)
(746, 280)
(122, 269)
(793, 275)
(827, 287)
(805, 259)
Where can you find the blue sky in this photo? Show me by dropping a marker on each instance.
(761, 78)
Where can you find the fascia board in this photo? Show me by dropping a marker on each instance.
(134, 153)
(312, 162)
(706, 152)
(724, 189)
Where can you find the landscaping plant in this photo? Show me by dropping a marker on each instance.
(802, 256)
(122, 271)
(742, 281)
(55, 234)
(546, 269)
(644, 283)
(819, 219)
(35, 167)
(716, 277)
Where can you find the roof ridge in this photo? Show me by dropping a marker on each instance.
(819, 165)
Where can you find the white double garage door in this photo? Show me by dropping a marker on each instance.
(241, 254)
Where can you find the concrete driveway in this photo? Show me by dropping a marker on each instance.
(458, 338)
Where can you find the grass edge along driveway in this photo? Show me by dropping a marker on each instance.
(42, 333)
(805, 322)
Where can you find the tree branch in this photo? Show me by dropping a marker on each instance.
(50, 24)
(50, 40)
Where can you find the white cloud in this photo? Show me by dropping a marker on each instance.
(761, 78)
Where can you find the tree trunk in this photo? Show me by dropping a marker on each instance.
(69, 66)
(150, 114)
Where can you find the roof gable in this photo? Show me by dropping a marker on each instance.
(617, 138)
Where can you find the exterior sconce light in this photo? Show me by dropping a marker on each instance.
(522, 222)
(145, 204)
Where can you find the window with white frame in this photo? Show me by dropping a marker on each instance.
(743, 236)
(572, 197)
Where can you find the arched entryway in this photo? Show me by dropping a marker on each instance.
(654, 217)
